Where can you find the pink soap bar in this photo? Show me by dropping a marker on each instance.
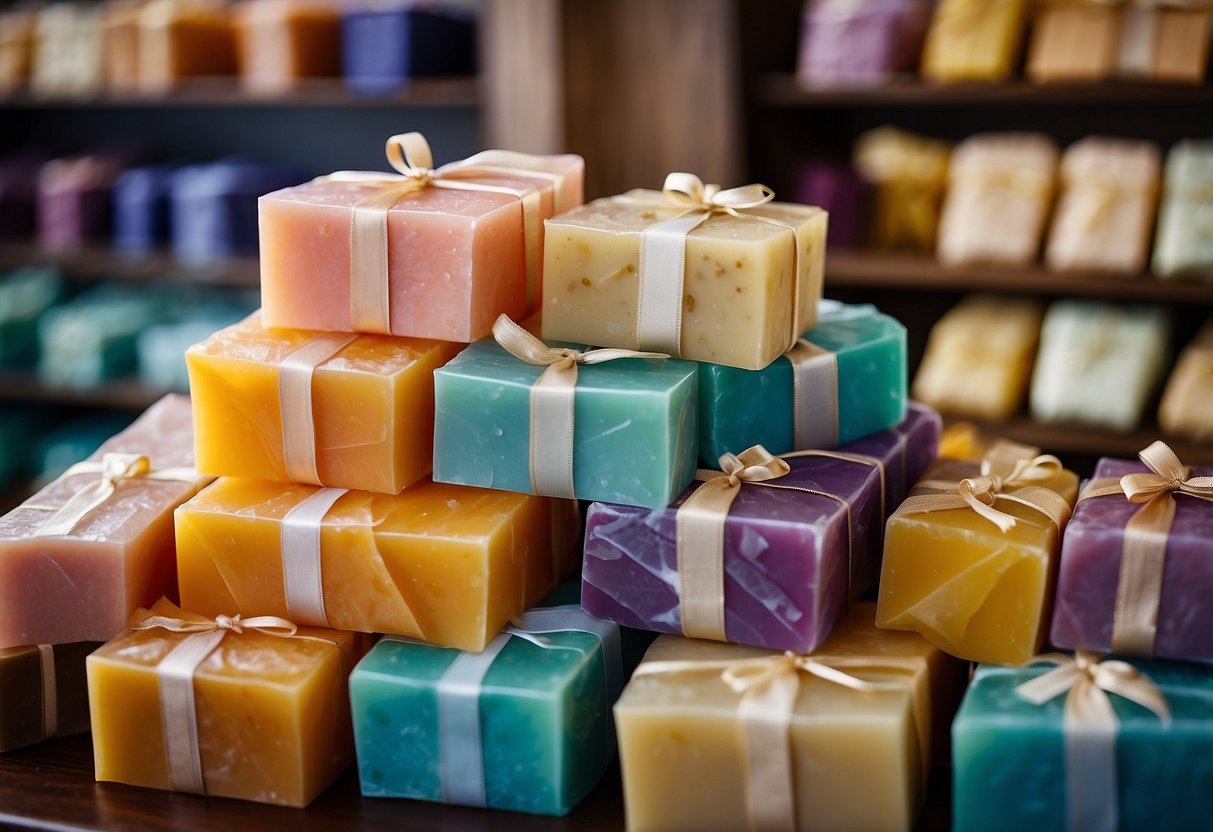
(84, 586)
(456, 258)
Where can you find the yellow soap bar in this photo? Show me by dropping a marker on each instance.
(372, 406)
(447, 564)
(859, 760)
(273, 713)
(909, 175)
(970, 589)
(974, 40)
(1187, 402)
(738, 281)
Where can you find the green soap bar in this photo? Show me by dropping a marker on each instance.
(21, 694)
(25, 295)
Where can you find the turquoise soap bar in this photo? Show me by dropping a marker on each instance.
(1009, 763)
(634, 435)
(93, 338)
(25, 295)
(740, 408)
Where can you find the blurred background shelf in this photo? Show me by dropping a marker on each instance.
(121, 394)
(99, 262)
(1086, 441)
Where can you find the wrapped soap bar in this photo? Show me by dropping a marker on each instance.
(1166, 44)
(385, 45)
(1105, 215)
(25, 296)
(1187, 401)
(255, 710)
(723, 737)
(120, 44)
(1027, 755)
(16, 48)
(280, 42)
(1099, 364)
(969, 557)
(214, 207)
(999, 195)
(844, 380)
(909, 174)
(183, 39)
(840, 192)
(979, 357)
(862, 43)
(93, 338)
(791, 558)
(974, 40)
(68, 574)
(441, 563)
(74, 197)
(348, 411)
(43, 693)
(19, 174)
(673, 272)
(464, 244)
(1133, 579)
(67, 50)
(1074, 41)
(518, 414)
(1183, 245)
(533, 710)
(141, 208)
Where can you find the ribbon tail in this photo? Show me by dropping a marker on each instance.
(765, 724)
(74, 510)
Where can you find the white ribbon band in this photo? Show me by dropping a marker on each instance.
(663, 250)
(460, 745)
(571, 617)
(302, 576)
(814, 395)
(370, 291)
(699, 531)
(295, 376)
(50, 691)
(178, 710)
(552, 433)
(1091, 787)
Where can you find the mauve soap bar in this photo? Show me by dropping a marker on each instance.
(842, 193)
(74, 200)
(1091, 554)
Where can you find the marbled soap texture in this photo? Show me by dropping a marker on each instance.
(23, 694)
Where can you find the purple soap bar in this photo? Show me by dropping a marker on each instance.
(74, 200)
(785, 552)
(1090, 571)
(841, 192)
(18, 193)
(214, 206)
(141, 208)
(860, 42)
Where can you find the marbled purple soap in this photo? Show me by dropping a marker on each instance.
(840, 191)
(860, 42)
(1090, 570)
(785, 552)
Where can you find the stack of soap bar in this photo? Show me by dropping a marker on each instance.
(909, 174)
(859, 760)
(141, 208)
(384, 45)
(633, 436)
(791, 562)
(183, 39)
(738, 289)
(1183, 244)
(281, 42)
(272, 713)
(43, 693)
(999, 195)
(860, 43)
(120, 44)
(16, 47)
(1105, 215)
(1099, 364)
(372, 406)
(969, 588)
(840, 192)
(74, 200)
(215, 207)
(456, 258)
(93, 338)
(1074, 42)
(67, 50)
(83, 586)
(1010, 763)
(19, 174)
(1187, 401)
(862, 390)
(1091, 558)
(974, 40)
(979, 357)
(445, 564)
(1166, 44)
(25, 296)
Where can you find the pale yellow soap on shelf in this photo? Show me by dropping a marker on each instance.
(974, 40)
(972, 590)
(979, 358)
(909, 175)
(1187, 402)
(738, 279)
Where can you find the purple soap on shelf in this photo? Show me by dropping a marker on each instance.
(141, 208)
(74, 197)
(840, 191)
(214, 207)
(786, 552)
(1092, 552)
(19, 193)
(860, 42)
(383, 48)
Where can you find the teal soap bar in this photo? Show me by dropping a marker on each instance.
(1009, 764)
(741, 408)
(93, 338)
(634, 435)
(25, 296)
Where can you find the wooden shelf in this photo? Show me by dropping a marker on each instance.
(856, 269)
(123, 394)
(1093, 441)
(93, 262)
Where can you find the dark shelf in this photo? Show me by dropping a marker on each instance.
(123, 394)
(1093, 441)
(92, 263)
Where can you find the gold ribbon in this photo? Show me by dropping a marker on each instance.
(814, 395)
(50, 690)
(114, 468)
(1144, 550)
(295, 377)
(552, 399)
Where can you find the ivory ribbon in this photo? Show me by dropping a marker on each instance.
(1144, 549)
(814, 395)
(302, 576)
(1090, 725)
(114, 468)
(50, 691)
(295, 401)
(552, 400)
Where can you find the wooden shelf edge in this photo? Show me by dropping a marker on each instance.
(95, 263)
(121, 394)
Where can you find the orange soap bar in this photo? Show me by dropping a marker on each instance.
(180, 39)
(282, 41)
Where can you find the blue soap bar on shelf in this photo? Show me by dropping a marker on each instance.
(383, 49)
(214, 207)
(141, 208)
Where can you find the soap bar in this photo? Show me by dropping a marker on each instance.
(456, 258)
(280, 42)
(543, 709)
(739, 285)
(25, 296)
(1099, 364)
(1105, 215)
(1187, 401)
(141, 208)
(974, 40)
(865, 43)
(182, 40)
(1166, 44)
(634, 425)
(787, 554)
(859, 760)
(120, 44)
(272, 714)
(999, 194)
(1010, 769)
(441, 563)
(93, 338)
(43, 693)
(386, 45)
(979, 357)
(83, 586)
(74, 200)
(214, 207)
(162, 347)
(909, 174)
(972, 590)
(840, 192)
(16, 47)
(66, 58)
(1074, 42)
(860, 391)
(1091, 557)
(372, 406)
(1183, 244)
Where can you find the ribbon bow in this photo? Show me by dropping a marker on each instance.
(269, 625)
(1169, 476)
(687, 191)
(755, 464)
